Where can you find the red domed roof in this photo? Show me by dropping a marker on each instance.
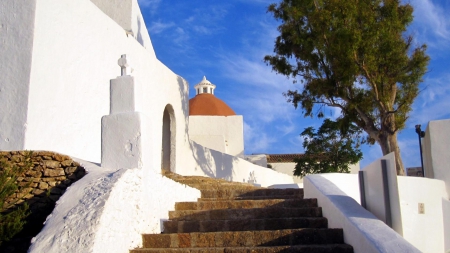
(209, 105)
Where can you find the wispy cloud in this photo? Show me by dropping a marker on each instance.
(433, 102)
(256, 140)
(159, 27)
(152, 5)
(432, 24)
(201, 29)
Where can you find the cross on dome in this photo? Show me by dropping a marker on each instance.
(204, 86)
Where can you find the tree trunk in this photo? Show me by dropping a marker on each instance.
(389, 144)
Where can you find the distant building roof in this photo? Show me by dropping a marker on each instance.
(282, 158)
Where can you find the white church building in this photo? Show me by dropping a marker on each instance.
(80, 77)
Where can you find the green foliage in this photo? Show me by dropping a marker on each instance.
(11, 218)
(351, 55)
(328, 150)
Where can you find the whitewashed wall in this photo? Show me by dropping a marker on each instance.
(288, 169)
(75, 51)
(436, 146)
(16, 46)
(127, 14)
(221, 133)
(202, 161)
(425, 231)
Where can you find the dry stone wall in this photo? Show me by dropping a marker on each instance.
(43, 182)
(48, 177)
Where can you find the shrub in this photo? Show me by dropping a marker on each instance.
(11, 215)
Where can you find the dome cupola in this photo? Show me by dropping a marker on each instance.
(204, 86)
(206, 104)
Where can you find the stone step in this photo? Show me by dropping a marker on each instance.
(252, 193)
(222, 186)
(303, 236)
(252, 213)
(330, 248)
(171, 226)
(227, 204)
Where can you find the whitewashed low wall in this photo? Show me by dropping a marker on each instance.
(211, 163)
(108, 210)
(362, 229)
(446, 211)
(384, 205)
(425, 231)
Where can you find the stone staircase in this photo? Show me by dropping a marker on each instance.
(239, 217)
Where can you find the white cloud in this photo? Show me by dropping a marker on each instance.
(201, 29)
(256, 141)
(431, 22)
(433, 102)
(158, 27)
(149, 4)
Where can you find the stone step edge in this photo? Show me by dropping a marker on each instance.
(316, 248)
(177, 226)
(249, 203)
(237, 213)
(302, 236)
(249, 198)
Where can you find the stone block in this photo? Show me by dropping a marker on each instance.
(67, 163)
(51, 183)
(54, 172)
(59, 157)
(43, 186)
(184, 240)
(51, 164)
(33, 173)
(17, 158)
(38, 192)
(70, 170)
(157, 241)
(203, 239)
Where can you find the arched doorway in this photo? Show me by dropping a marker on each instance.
(168, 140)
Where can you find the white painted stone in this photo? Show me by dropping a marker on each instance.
(221, 133)
(122, 95)
(121, 141)
(17, 26)
(108, 210)
(362, 229)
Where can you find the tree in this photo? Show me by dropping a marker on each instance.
(328, 149)
(352, 55)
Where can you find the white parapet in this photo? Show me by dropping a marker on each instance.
(365, 232)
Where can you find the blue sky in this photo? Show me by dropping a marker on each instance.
(227, 40)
